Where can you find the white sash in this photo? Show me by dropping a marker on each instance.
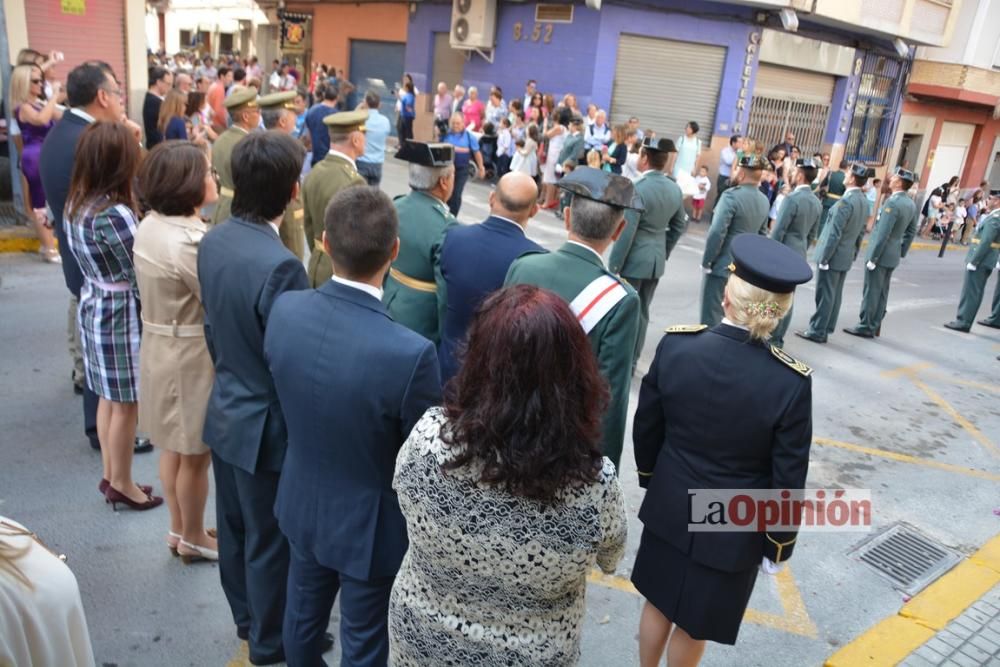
(596, 300)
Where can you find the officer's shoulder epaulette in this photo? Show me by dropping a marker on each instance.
(621, 281)
(529, 253)
(791, 361)
(398, 197)
(686, 328)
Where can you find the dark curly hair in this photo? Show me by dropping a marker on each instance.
(528, 400)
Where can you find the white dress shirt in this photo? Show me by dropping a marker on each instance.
(364, 287)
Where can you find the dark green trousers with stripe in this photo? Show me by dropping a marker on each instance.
(874, 298)
(973, 287)
(712, 290)
(829, 290)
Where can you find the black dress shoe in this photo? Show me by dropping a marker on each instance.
(956, 326)
(861, 333)
(142, 445)
(987, 323)
(243, 633)
(810, 337)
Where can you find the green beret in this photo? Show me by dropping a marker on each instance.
(347, 121)
(241, 98)
(277, 100)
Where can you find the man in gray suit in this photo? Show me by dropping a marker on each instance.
(243, 268)
(798, 220)
(836, 251)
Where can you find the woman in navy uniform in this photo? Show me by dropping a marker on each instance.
(719, 409)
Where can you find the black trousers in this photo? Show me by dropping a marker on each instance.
(364, 614)
(371, 172)
(74, 281)
(461, 176)
(253, 556)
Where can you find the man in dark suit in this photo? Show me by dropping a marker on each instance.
(243, 268)
(474, 260)
(352, 383)
(93, 94)
(160, 82)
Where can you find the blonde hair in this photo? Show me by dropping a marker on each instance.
(174, 104)
(757, 309)
(594, 159)
(20, 85)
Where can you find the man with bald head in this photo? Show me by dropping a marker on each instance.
(474, 260)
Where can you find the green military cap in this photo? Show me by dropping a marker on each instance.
(658, 145)
(602, 186)
(244, 98)
(426, 154)
(808, 163)
(281, 100)
(347, 121)
(861, 170)
(754, 162)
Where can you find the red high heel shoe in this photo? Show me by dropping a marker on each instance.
(103, 488)
(115, 496)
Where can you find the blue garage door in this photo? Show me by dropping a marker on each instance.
(378, 66)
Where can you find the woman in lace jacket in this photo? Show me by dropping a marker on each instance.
(507, 499)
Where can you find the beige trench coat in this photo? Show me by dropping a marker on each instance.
(175, 370)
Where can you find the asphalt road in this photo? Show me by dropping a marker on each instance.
(925, 440)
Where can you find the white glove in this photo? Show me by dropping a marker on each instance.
(767, 566)
(871, 266)
(823, 267)
(970, 267)
(707, 269)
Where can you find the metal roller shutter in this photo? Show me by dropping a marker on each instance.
(776, 81)
(97, 34)
(666, 84)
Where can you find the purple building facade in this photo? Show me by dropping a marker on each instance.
(582, 58)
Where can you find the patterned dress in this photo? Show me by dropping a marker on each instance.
(491, 578)
(100, 238)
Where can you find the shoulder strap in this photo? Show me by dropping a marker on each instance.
(791, 361)
(596, 300)
(685, 328)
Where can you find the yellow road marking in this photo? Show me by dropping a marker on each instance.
(891, 640)
(985, 386)
(957, 416)
(795, 619)
(242, 657)
(911, 372)
(906, 458)
(906, 370)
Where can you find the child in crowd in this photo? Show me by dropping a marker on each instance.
(947, 215)
(961, 213)
(566, 197)
(593, 160)
(703, 185)
(505, 147)
(630, 169)
(518, 130)
(525, 159)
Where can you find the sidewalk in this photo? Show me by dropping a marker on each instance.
(953, 622)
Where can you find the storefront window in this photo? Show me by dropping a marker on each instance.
(876, 110)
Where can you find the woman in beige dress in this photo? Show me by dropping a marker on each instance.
(175, 370)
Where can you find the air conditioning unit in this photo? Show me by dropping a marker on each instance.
(473, 24)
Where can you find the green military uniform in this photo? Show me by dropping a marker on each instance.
(641, 252)
(838, 246)
(415, 293)
(994, 319)
(414, 289)
(742, 209)
(605, 305)
(222, 152)
(567, 272)
(835, 189)
(292, 230)
(982, 256)
(330, 175)
(798, 220)
(890, 240)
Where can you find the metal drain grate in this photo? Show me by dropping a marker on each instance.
(906, 557)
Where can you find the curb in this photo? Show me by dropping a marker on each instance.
(18, 239)
(929, 611)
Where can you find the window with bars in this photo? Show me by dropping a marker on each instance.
(772, 117)
(876, 109)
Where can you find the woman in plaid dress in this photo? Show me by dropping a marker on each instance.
(100, 229)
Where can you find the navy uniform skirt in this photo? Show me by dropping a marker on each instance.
(707, 603)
